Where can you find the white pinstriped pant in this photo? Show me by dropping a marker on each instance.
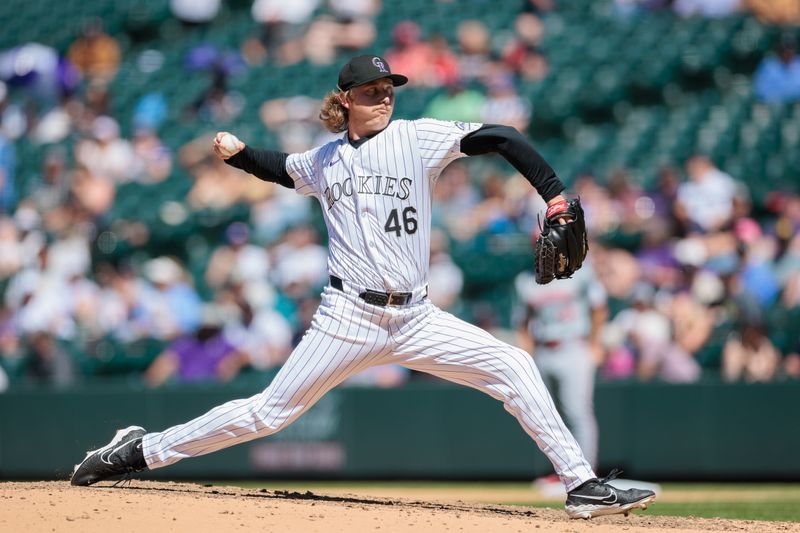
(349, 335)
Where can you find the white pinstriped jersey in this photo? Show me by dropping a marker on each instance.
(377, 199)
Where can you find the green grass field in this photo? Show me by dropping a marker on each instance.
(784, 510)
(743, 501)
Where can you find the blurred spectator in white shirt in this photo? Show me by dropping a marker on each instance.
(280, 11)
(169, 306)
(239, 259)
(647, 332)
(40, 299)
(706, 201)
(106, 155)
(117, 302)
(254, 328)
(445, 279)
(195, 11)
(503, 104)
(455, 200)
(295, 121)
(281, 209)
(69, 255)
(283, 25)
(50, 189)
(152, 160)
(301, 263)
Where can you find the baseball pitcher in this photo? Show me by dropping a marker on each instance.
(374, 184)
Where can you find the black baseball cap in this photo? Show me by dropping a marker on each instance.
(364, 69)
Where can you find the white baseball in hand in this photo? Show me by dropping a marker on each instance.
(229, 145)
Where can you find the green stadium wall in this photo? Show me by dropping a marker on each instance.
(707, 431)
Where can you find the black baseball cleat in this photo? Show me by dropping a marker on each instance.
(597, 498)
(123, 455)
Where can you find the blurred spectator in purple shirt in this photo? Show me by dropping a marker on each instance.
(204, 355)
(38, 69)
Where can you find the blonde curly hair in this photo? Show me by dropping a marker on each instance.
(332, 113)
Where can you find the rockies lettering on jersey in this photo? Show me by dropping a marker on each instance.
(384, 185)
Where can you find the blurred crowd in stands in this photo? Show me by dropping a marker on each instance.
(783, 12)
(701, 281)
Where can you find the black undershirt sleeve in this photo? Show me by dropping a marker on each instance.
(267, 165)
(516, 149)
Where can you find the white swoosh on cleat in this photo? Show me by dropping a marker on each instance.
(614, 494)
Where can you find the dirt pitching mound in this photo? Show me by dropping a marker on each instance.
(154, 507)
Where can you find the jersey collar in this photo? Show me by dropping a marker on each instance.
(357, 143)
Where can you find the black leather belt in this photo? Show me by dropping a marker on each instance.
(378, 298)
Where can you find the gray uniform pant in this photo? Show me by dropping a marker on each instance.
(568, 371)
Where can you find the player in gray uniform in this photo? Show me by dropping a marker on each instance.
(561, 324)
(374, 183)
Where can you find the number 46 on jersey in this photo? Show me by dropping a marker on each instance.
(398, 223)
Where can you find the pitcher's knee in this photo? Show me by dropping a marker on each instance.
(518, 373)
(518, 364)
(271, 415)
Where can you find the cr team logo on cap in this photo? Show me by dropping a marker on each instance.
(364, 69)
(378, 63)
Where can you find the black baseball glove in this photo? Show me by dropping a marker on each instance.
(561, 248)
